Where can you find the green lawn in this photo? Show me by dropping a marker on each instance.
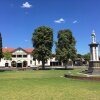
(46, 85)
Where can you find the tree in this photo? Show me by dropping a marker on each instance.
(80, 59)
(65, 47)
(7, 55)
(1, 55)
(53, 55)
(42, 42)
(79, 56)
(87, 57)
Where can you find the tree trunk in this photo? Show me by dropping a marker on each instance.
(65, 66)
(72, 63)
(62, 64)
(43, 64)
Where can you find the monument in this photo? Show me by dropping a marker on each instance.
(94, 64)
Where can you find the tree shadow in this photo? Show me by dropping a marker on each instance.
(2, 70)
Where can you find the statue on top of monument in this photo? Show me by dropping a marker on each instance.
(93, 37)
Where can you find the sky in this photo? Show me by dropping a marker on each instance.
(19, 18)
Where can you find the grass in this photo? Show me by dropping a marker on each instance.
(46, 85)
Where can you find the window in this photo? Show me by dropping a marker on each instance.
(34, 59)
(13, 63)
(19, 56)
(24, 56)
(14, 56)
(24, 63)
(30, 61)
(38, 62)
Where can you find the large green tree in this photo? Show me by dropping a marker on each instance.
(42, 42)
(1, 55)
(7, 55)
(65, 47)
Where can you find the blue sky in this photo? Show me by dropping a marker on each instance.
(19, 18)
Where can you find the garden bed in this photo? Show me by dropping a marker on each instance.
(82, 77)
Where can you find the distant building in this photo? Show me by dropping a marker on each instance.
(21, 57)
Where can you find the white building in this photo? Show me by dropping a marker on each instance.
(21, 57)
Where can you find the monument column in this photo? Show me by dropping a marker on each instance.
(97, 53)
(94, 54)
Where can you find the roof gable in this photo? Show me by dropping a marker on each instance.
(27, 50)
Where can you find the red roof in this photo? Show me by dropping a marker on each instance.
(8, 49)
(28, 50)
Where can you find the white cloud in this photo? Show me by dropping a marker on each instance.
(61, 20)
(26, 5)
(26, 40)
(75, 21)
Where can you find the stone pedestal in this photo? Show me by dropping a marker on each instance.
(94, 67)
(94, 64)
